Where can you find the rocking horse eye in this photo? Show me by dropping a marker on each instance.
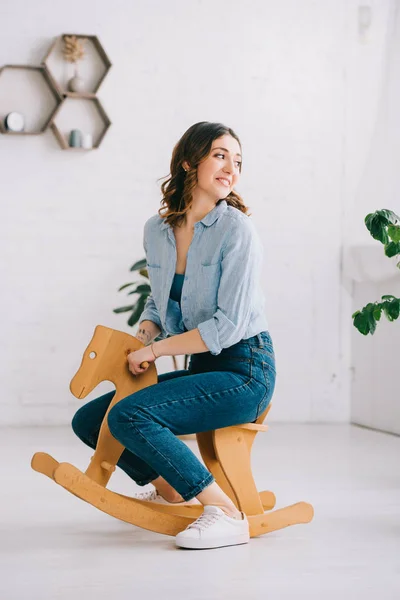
(92, 355)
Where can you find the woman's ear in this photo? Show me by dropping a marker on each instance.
(186, 165)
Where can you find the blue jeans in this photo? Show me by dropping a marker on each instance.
(216, 391)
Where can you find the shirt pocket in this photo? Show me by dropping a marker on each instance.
(208, 282)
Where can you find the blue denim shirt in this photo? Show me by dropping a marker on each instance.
(221, 293)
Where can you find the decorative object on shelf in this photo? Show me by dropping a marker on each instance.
(73, 52)
(383, 225)
(50, 83)
(14, 121)
(88, 40)
(75, 138)
(76, 84)
(87, 141)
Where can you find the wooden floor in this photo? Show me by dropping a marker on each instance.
(54, 546)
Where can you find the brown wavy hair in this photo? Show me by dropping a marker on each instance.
(193, 147)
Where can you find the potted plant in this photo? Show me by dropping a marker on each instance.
(142, 289)
(383, 225)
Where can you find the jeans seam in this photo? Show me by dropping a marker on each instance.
(234, 389)
(133, 426)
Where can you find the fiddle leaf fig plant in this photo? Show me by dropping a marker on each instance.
(143, 290)
(384, 226)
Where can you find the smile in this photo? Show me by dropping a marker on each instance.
(224, 182)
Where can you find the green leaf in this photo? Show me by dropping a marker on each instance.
(140, 264)
(377, 223)
(394, 233)
(392, 309)
(137, 311)
(392, 249)
(376, 226)
(377, 313)
(389, 215)
(361, 323)
(123, 309)
(141, 289)
(125, 286)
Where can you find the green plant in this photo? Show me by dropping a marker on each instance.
(383, 225)
(143, 290)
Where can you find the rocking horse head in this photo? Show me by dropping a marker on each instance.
(105, 359)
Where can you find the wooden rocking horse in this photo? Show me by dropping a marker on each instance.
(226, 453)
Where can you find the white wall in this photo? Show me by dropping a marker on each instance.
(295, 82)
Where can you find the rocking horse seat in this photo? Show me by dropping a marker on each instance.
(226, 454)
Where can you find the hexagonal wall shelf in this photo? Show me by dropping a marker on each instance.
(93, 68)
(83, 113)
(32, 92)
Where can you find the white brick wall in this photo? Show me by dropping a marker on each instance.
(281, 74)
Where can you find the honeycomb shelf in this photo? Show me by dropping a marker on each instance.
(45, 76)
(105, 122)
(55, 72)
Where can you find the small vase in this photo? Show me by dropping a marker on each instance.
(75, 138)
(76, 84)
(87, 141)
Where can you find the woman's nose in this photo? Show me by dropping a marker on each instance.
(229, 167)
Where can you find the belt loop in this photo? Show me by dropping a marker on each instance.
(260, 341)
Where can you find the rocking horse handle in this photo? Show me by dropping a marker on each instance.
(143, 365)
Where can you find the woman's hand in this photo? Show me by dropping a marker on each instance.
(139, 356)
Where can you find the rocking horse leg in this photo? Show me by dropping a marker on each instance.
(301, 512)
(118, 506)
(44, 463)
(205, 441)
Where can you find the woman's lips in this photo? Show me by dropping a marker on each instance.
(224, 182)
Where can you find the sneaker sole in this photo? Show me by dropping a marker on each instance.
(200, 544)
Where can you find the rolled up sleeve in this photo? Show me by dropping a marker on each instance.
(239, 268)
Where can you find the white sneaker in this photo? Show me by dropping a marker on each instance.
(214, 529)
(154, 496)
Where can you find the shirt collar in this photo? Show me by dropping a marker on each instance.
(210, 217)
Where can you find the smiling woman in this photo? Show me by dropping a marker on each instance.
(205, 166)
(204, 261)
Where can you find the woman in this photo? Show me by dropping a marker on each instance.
(204, 257)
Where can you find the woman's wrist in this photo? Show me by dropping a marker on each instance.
(155, 349)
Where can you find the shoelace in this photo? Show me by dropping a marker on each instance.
(204, 521)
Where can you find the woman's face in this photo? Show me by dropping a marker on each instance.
(223, 162)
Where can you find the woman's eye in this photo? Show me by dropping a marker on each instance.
(238, 162)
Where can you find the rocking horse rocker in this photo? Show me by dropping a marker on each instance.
(226, 453)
